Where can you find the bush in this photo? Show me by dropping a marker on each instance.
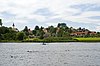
(20, 36)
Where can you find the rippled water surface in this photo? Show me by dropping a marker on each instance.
(51, 54)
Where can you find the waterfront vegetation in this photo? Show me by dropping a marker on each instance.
(50, 39)
(60, 33)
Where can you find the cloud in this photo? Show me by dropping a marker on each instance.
(44, 11)
(95, 17)
(97, 28)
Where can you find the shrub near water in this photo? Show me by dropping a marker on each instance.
(50, 39)
(57, 39)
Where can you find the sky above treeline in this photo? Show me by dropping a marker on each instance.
(75, 13)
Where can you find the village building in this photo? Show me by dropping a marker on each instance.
(14, 29)
(83, 33)
(47, 34)
(45, 30)
(30, 34)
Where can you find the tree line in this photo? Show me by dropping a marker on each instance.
(61, 31)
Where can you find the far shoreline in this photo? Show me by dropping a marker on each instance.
(58, 42)
(87, 40)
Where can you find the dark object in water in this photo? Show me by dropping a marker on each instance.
(32, 51)
(44, 43)
(29, 51)
(11, 56)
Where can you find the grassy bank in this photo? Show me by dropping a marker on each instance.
(50, 39)
(87, 39)
(56, 39)
(10, 41)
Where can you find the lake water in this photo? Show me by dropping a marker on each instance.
(52, 54)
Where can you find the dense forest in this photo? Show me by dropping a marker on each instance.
(59, 33)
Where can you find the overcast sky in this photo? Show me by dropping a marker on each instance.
(75, 13)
